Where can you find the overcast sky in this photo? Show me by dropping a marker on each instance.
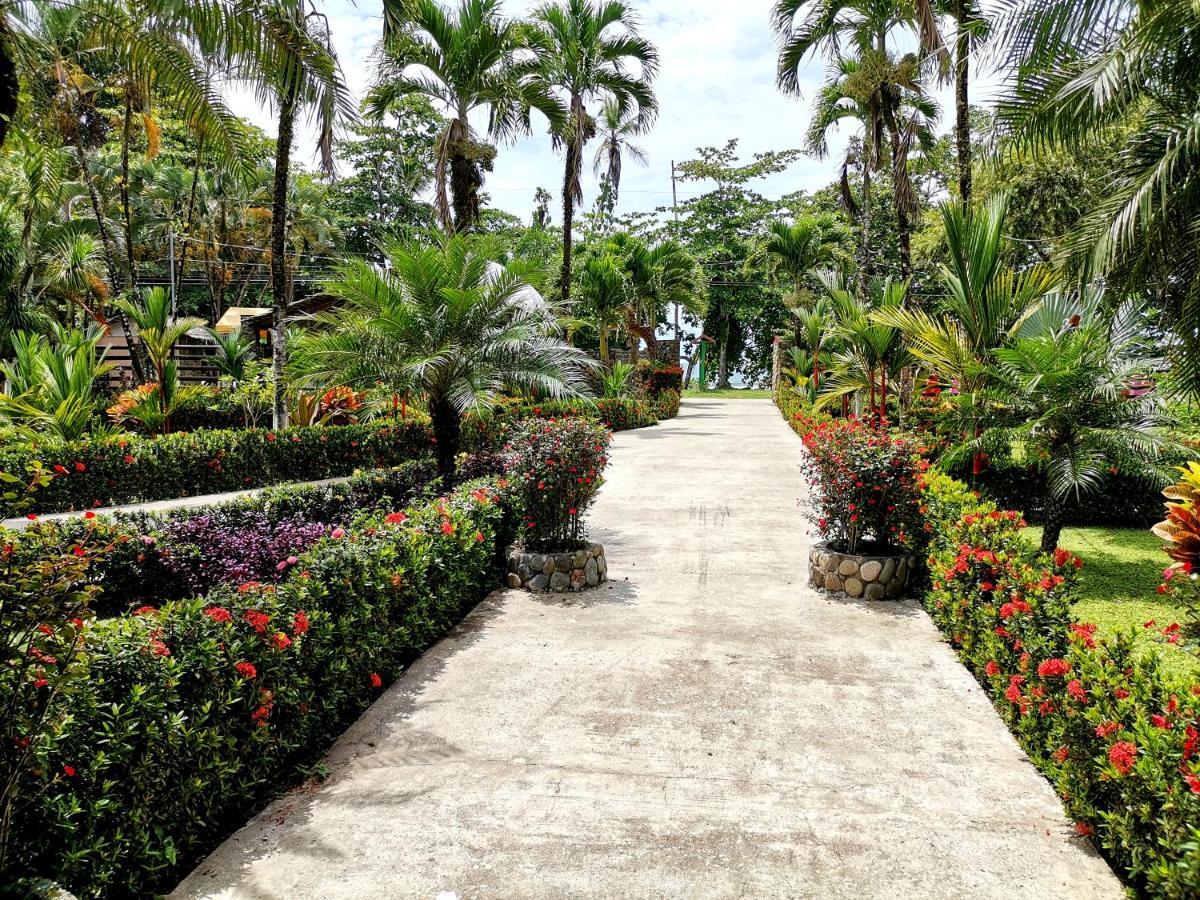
(715, 82)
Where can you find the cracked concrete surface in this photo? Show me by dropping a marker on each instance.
(705, 725)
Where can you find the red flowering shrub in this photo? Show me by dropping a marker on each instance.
(556, 468)
(863, 484)
(1120, 741)
(197, 711)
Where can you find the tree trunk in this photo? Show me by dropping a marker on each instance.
(280, 284)
(723, 363)
(464, 178)
(1056, 515)
(866, 267)
(126, 213)
(568, 201)
(962, 108)
(447, 433)
(10, 85)
(903, 227)
(604, 355)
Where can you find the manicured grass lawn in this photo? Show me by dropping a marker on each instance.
(1122, 567)
(739, 393)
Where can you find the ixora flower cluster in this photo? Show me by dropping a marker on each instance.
(556, 467)
(863, 500)
(1120, 741)
(138, 737)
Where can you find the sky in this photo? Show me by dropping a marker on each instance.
(716, 81)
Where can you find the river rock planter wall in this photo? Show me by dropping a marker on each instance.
(871, 577)
(558, 572)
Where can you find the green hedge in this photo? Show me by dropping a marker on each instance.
(195, 712)
(1117, 738)
(132, 469)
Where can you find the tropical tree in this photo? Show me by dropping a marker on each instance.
(870, 352)
(1068, 400)
(158, 333)
(985, 304)
(616, 128)
(296, 69)
(586, 49)
(794, 249)
(888, 87)
(466, 60)
(435, 324)
(601, 298)
(233, 356)
(1082, 72)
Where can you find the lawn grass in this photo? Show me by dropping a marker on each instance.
(1122, 567)
(738, 393)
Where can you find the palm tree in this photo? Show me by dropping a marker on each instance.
(158, 333)
(1084, 72)
(602, 297)
(616, 128)
(49, 386)
(296, 69)
(794, 249)
(586, 48)
(1064, 397)
(466, 60)
(970, 29)
(888, 88)
(436, 325)
(985, 304)
(871, 353)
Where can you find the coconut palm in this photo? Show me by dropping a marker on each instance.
(437, 325)
(616, 128)
(472, 58)
(1065, 398)
(806, 27)
(586, 48)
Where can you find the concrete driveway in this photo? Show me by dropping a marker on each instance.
(705, 725)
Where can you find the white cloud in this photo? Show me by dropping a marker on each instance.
(716, 81)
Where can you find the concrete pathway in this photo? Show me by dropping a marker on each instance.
(704, 726)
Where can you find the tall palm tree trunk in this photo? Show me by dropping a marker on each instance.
(1056, 516)
(280, 284)
(962, 107)
(574, 155)
(447, 434)
(126, 212)
(866, 268)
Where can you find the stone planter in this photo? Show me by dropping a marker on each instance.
(577, 570)
(871, 577)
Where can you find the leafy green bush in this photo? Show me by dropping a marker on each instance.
(492, 428)
(665, 405)
(556, 468)
(131, 469)
(195, 711)
(1118, 739)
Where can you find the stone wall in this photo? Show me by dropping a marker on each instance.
(558, 572)
(871, 577)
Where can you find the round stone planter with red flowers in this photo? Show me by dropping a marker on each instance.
(555, 467)
(869, 576)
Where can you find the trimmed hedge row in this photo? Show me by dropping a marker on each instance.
(133, 469)
(194, 712)
(1119, 740)
(161, 556)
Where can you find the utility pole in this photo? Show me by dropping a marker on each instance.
(675, 212)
